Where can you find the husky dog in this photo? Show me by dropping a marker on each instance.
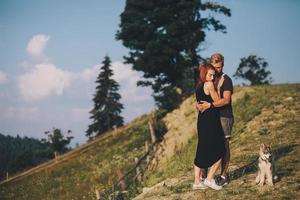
(266, 167)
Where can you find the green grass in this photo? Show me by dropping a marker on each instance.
(264, 115)
(78, 177)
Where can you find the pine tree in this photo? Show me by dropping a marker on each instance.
(107, 106)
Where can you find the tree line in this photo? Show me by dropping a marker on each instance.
(17, 153)
(21, 153)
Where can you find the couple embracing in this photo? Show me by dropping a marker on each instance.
(214, 125)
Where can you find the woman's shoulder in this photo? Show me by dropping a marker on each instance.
(208, 84)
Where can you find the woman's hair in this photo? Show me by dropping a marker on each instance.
(203, 69)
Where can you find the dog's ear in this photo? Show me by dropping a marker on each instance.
(262, 146)
(266, 146)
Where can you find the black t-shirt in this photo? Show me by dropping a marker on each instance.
(225, 111)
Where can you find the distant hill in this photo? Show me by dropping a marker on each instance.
(269, 114)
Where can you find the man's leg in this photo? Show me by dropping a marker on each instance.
(203, 173)
(227, 124)
(225, 159)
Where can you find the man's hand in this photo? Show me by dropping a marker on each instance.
(199, 107)
(202, 106)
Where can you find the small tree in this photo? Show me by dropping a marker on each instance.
(58, 142)
(107, 108)
(253, 69)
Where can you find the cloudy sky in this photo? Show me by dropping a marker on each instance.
(51, 52)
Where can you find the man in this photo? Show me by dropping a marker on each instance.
(225, 109)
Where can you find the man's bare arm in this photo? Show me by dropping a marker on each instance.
(219, 103)
(224, 101)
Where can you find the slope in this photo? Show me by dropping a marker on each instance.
(264, 114)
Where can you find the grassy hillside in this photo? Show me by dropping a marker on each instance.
(78, 173)
(269, 114)
(265, 114)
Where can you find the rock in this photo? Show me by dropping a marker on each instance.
(155, 187)
(288, 99)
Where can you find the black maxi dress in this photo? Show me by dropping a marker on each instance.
(211, 146)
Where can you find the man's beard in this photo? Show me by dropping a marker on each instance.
(218, 74)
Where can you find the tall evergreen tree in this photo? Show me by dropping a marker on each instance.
(107, 106)
(164, 39)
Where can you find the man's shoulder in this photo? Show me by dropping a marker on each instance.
(227, 85)
(227, 77)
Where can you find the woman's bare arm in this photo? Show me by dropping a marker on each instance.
(209, 86)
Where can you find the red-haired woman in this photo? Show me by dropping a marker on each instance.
(210, 148)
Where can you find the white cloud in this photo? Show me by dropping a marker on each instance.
(125, 76)
(80, 114)
(3, 77)
(42, 81)
(23, 113)
(90, 74)
(122, 72)
(26, 65)
(37, 45)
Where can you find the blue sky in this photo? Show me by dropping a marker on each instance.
(51, 51)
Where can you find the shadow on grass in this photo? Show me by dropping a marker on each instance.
(252, 167)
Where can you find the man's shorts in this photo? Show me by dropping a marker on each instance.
(227, 124)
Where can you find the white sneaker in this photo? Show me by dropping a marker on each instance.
(197, 186)
(212, 184)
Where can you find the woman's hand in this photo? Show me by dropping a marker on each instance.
(202, 106)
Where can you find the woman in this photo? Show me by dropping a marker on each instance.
(210, 148)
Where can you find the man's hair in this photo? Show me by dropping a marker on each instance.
(216, 58)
